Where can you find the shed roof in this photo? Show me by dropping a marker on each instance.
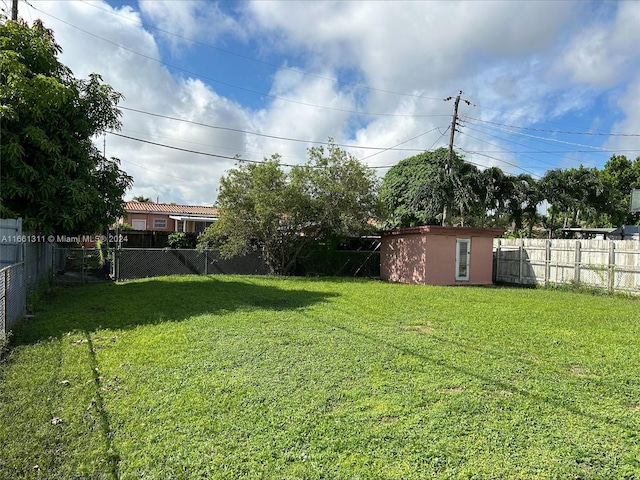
(439, 230)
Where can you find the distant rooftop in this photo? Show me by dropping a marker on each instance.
(169, 208)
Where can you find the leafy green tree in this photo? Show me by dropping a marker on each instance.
(492, 195)
(522, 197)
(624, 176)
(578, 196)
(141, 199)
(52, 175)
(401, 184)
(417, 190)
(263, 207)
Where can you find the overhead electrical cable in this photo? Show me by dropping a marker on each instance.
(561, 154)
(401, 143)
(166, 174)
(257, 60)
(249, 132)
(557, 131)
(506, 150)
(214, 80)
(549, 139)
(207, 154)
(181, 140)
(499, 160)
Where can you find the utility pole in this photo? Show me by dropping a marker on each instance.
(447, 171)
(14, 11)
(454, 123)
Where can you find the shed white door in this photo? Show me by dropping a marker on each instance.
(463, 254)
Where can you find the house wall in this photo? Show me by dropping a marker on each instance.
(430, 258)
(149, 217)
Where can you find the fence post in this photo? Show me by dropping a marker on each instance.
(612, 265)
(576, 271)
(547, 262)
(496, 279)
(5, 301)
(116, 263)
(521, 261)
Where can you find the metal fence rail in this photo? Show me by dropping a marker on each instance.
(12, 296)
(131, 263)
(37, 263)
(613, 265)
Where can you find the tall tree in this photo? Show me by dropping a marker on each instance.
(52, 175)
(141, 199)
(416, 190)
(262, 206)
(400, 186)
(624, 176)
(523, 196)
(493, 193)
(578, 196)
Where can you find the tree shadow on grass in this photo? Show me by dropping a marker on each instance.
(552, 399)
(169, 299)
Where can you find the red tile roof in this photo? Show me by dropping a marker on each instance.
(169, 208)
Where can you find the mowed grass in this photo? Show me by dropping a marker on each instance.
(255, 377)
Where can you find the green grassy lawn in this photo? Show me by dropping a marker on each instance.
(257, 377)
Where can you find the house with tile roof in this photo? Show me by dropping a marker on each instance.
(168, 217)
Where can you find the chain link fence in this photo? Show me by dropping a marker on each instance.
(37, 263)
(131, 263)
(80, 266)
(612, 265)
(13, 297)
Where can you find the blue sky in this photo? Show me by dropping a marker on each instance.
(550, 84)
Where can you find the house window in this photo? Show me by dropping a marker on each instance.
(159, 223)
(463, 253)
(139, 224)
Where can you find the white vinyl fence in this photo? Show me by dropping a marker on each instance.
(613, 265)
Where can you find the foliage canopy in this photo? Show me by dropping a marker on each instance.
(417, 190)
(262, 206)
(52, 174)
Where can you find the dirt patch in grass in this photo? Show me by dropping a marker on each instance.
(426, 327)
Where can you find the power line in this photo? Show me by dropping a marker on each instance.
(206, 145)
(276, 137)
(257, 60)
(558, 131)
(196, 152)
(166, 174)
(224, 157)
(214, 80)
(406, 141)
(593, 151)
(498, 160)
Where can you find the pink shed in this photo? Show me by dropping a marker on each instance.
(434, 255)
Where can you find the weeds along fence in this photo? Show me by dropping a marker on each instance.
(36, 264)
(613, 265)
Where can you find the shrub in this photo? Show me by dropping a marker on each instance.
(178, 240)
